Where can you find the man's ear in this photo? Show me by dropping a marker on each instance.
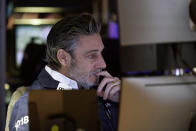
(63, 57)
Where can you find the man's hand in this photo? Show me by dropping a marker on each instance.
(112, 87)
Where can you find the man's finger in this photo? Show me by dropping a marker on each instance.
(104, 73)
(114, 93)
(103, 83)
(114, 90)
(109, 88)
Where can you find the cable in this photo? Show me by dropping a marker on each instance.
(178, 52)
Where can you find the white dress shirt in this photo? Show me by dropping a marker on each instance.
(65, 83)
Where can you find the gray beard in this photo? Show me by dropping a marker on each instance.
(81, 79)
(82, 82)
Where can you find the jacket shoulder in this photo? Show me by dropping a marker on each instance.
(19, 118)
(16, 95)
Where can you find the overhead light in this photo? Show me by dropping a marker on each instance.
(38, 9)
(35, 21)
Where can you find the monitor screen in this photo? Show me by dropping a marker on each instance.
(165, 103)
(24, 35)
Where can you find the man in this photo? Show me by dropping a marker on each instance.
(74, 55)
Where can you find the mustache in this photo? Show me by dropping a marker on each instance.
(95, 72)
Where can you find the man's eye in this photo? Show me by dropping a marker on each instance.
(92, 56)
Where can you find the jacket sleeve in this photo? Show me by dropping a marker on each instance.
(19, 120)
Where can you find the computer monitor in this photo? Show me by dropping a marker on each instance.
(63, 110)
(164, 103)
(146, 22)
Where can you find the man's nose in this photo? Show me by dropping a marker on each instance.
(101, 63)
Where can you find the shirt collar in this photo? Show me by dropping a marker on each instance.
(64, 82)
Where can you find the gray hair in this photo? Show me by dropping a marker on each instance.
(65, 34)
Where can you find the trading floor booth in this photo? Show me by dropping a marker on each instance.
(68, 110)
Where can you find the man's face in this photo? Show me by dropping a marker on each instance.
(87, 61)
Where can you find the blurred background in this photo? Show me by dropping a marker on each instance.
(141, 37)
